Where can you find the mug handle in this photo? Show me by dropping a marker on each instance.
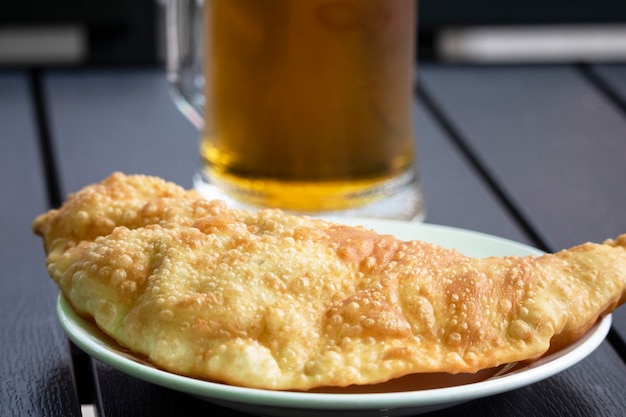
(184, 33)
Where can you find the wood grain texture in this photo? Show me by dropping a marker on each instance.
(143, 399)
(35, 364)
(570, 393)
(454, 193)
(118, 120)
(553, 143)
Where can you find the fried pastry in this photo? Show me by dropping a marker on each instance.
(275, 301)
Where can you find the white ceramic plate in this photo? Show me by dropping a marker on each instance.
(406, 396)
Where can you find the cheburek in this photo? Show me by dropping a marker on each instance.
(275, 301)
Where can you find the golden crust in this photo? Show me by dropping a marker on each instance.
(275, 301)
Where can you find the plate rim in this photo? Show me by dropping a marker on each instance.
(78, 331)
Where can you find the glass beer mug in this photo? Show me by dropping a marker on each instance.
(303, 105)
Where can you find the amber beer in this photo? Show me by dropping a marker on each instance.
(308, 102)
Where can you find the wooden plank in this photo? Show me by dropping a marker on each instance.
(551, 141)
(454, 194)
(106, 121)
(121, 393)
(35, 363)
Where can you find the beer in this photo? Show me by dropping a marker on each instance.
(308, 102)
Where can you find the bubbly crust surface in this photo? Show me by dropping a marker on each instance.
(274, 301)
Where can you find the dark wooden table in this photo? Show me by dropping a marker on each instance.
(536, 154)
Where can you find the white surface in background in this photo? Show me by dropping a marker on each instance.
(40, 44)
(88, 410)
(568, 43)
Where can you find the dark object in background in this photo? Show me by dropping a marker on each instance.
(440, 13)
(129, 32)
(535, 29)
(78, 32)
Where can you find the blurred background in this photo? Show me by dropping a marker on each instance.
(130, 33)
